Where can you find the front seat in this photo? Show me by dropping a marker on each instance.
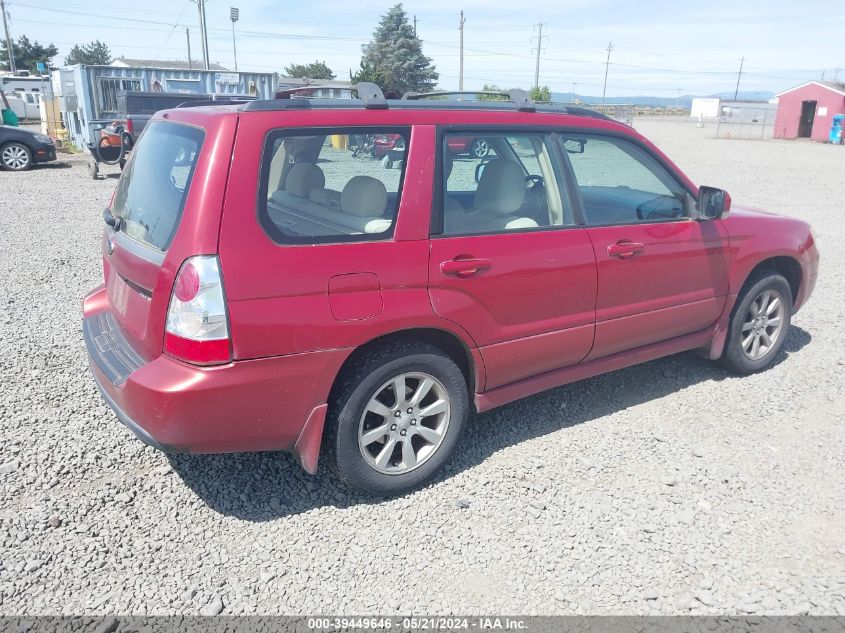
(499, 198)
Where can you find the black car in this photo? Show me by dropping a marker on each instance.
(20, 149)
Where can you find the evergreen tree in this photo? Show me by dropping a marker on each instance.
(91, 54)
(394, 59)
(27, 54)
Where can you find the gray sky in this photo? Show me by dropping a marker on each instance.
(659, 47)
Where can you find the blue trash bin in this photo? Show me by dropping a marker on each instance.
(836, 129)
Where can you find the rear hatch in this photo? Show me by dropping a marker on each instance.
(162, 212)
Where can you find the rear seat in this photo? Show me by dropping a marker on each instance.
(359, 208)
(498, 198)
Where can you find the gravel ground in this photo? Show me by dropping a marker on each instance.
(666, 488)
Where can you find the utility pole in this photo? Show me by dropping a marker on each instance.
(573, 91)
(188, 37)
(9, 44)
(738, 77)
(203, 33)
(836, 74)
(234, 14)
(415, 26)
(606, 68)
(461, 69)
(540, 37)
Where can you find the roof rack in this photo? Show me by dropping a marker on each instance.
(520, 98)
(209, 102)
(369, 93)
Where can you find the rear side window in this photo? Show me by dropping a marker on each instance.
(152, 190)
(332, 185)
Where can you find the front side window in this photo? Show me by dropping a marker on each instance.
(511, 185)
(332, 185)
(621, 183)
(152, 189)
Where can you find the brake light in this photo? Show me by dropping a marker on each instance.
(197, 328)
(130, 126)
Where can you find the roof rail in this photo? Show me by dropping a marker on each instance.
(369, 93)
(516, 96)
(209, 102)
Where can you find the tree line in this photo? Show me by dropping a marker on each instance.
(393, 59)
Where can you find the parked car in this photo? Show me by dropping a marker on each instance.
(267, 290)
(20, 148)
(477, 147)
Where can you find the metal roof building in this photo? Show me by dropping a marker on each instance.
(807, 111)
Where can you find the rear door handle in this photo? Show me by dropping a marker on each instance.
(464, 267)
(624, 250)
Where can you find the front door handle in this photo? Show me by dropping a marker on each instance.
(624, 249)
(464, 267)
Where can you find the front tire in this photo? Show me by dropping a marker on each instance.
(15, 157)
(759, 324)
(479, 148)
(399, 413)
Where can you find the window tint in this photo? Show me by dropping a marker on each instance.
(620, 183)
(332, 185)
(152, 189)
(513, 185)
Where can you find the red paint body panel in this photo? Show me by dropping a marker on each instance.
(788, 117)
(545, 308)
(681, 270)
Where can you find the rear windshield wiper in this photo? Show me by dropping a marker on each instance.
(111, 219)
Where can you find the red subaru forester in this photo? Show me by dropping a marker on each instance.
(266, 288)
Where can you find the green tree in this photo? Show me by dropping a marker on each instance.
(27, 54)
(314, 70)
(490, 88)
(393, 59)
(541, 94)
(91, 54)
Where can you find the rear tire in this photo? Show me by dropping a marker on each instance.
(384, 444)
(15, 157)
(759, 323)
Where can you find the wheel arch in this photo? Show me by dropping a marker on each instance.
(785, 265)
(448, 342)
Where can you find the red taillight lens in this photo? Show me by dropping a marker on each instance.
(197, 322)
(130, 127)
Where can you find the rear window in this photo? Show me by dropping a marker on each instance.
(152, 190)
(332, 185)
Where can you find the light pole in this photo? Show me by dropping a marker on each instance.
(234, 14)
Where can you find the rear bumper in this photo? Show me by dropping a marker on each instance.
(251, 405)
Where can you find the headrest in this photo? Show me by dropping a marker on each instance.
(364, 196)
(302, 178)
(501, 189)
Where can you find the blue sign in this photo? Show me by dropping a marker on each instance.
(42, 67)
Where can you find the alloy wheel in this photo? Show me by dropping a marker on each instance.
(15, 157)
(404, 423)
(762, 325)
(480, 148)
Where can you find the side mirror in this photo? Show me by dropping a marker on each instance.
(575, 145)
(712, 203)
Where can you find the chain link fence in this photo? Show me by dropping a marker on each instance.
(746, 120)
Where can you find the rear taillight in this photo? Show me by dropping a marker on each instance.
(130, 126)
(197, 324)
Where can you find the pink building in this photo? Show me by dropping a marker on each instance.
(806, 111)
